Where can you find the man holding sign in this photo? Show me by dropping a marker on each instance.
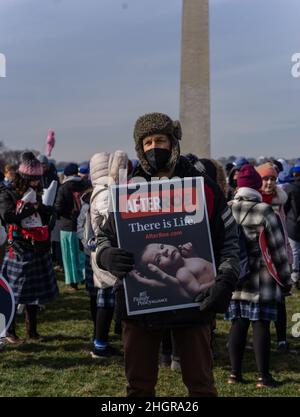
(157, 146)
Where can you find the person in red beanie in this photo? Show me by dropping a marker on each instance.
(255, 298)
(277, 197)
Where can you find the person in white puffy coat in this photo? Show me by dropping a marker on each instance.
(105, 169)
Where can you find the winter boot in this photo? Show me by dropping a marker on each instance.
(31, 322)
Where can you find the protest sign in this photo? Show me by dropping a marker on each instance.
(165, 225)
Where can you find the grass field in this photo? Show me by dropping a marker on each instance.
(61, 364)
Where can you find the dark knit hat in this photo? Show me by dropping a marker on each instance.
(84, 168)
(240, 161)
(228, 167)
(71, 169)
(30, 167)
(296, 169)
(249, 177)
(43, 159)
(152, 124)
(278, 165)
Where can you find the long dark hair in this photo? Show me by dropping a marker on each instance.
(21, 185)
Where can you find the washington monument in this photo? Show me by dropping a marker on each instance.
(194, 87)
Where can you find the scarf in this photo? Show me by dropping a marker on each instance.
(267, 198)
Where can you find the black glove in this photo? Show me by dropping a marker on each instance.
(48, 214)
(117, 261)
(217, 297)
(28, 210)
(45, 210)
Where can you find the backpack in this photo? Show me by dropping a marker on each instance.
(76, 206)
(76, 201)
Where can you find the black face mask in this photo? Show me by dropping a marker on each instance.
(157, 158)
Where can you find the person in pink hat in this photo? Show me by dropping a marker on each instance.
(27, 265)
(275, 196)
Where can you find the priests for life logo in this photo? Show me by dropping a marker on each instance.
(2, 66)
(7, 306)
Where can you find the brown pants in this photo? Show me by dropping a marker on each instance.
(141, 346)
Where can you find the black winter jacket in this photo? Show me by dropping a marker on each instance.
(292, 209)
(65, 205)
(49, 176)
(225, 244)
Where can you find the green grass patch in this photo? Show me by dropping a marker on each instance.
(61, 365)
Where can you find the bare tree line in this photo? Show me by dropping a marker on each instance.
(11, 157)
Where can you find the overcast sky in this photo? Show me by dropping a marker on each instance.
(89, 68)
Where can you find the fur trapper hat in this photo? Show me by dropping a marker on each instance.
(157, 123)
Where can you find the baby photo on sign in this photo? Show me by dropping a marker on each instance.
(179, 267)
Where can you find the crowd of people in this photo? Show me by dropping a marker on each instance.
(77, 235)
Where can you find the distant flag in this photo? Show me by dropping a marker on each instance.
(50, 142)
